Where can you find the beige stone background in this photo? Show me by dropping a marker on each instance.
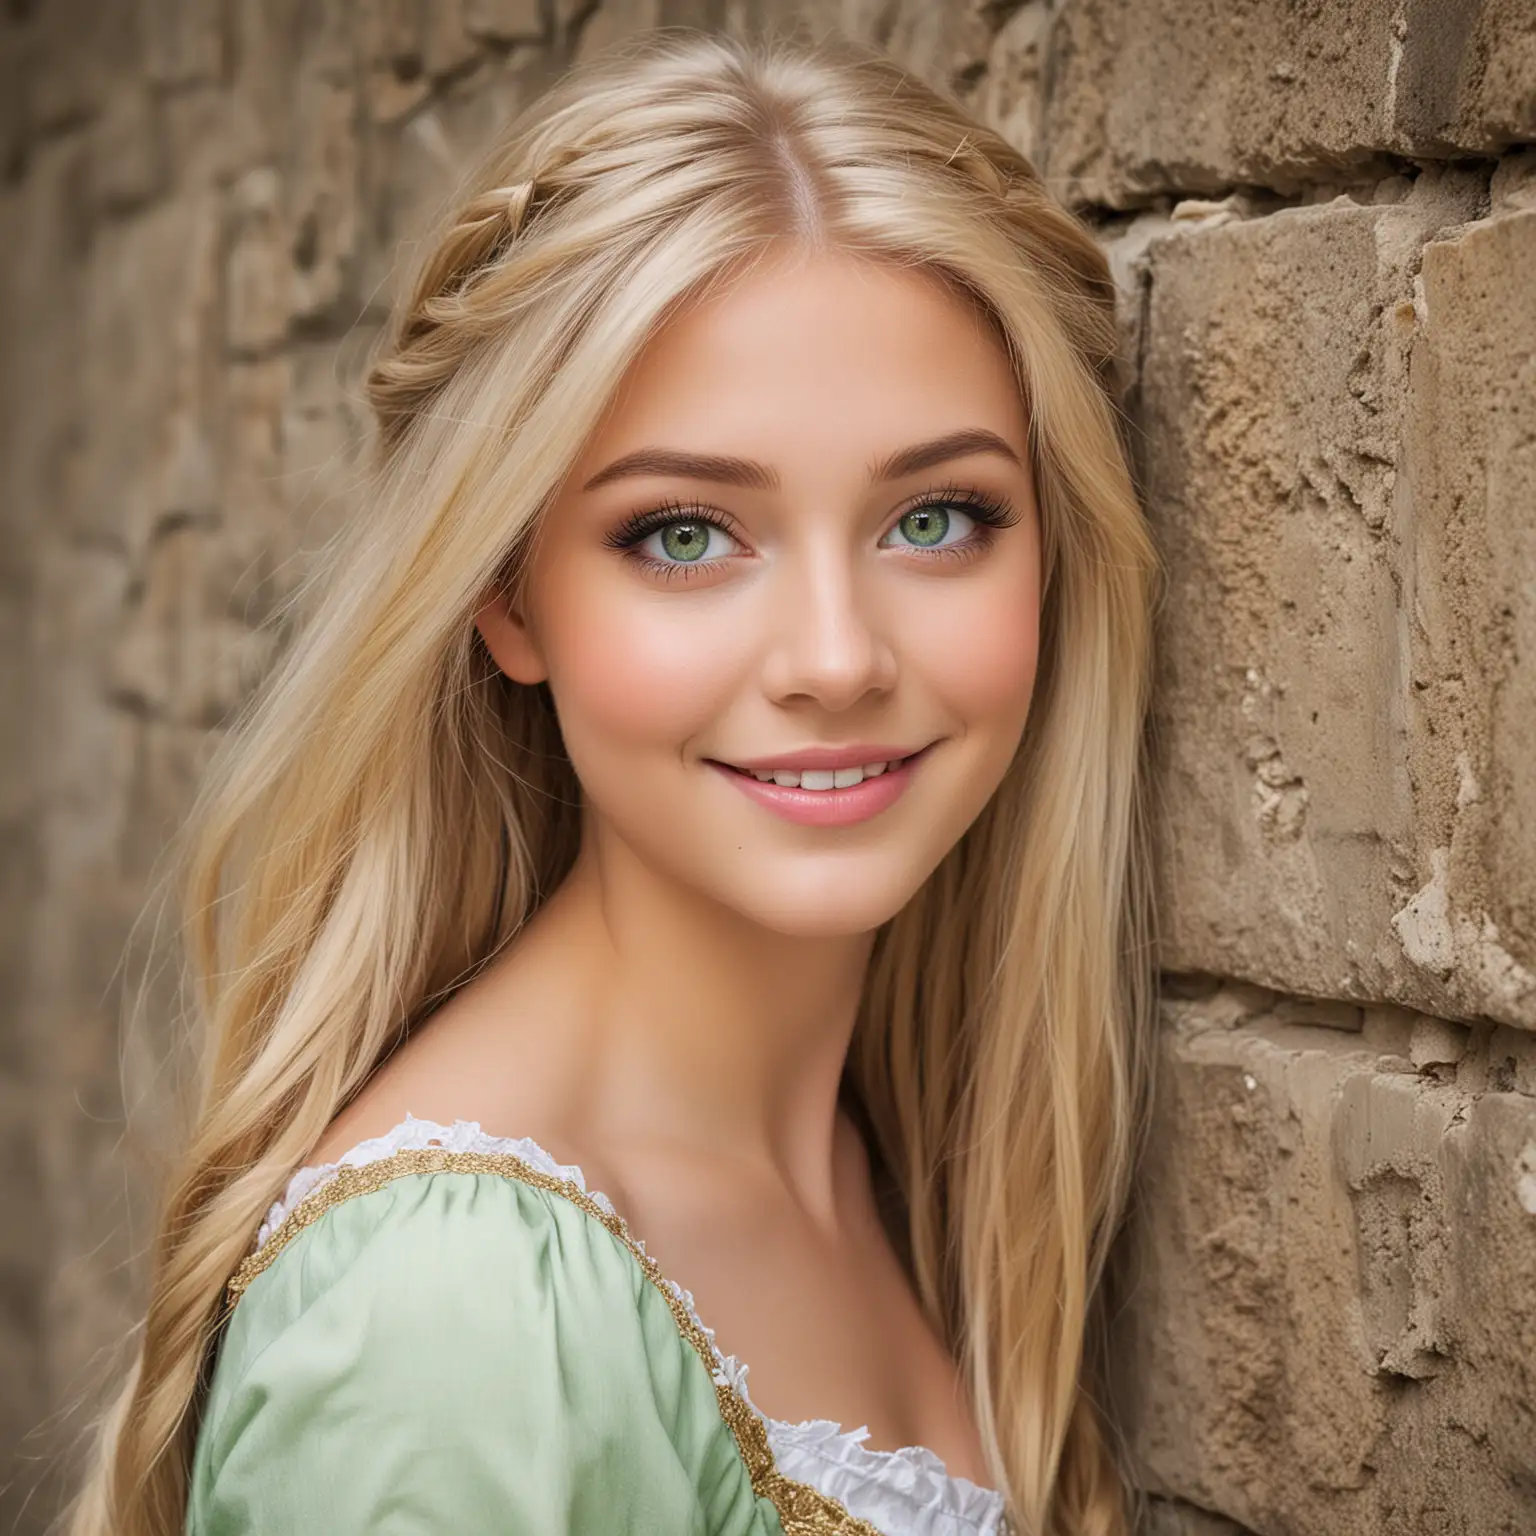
(1323, 216)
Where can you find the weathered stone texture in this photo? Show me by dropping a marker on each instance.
(1198, 96)
(1178, 1517)
(1337, 456)
(1472, 421)
(1331, 370)
(1322, 1340)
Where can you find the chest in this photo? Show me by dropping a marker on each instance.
(827, 1320)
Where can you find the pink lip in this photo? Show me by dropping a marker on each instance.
(827, 807)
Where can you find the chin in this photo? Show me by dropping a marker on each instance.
(824, 908)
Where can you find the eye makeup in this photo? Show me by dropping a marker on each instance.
(989, 513)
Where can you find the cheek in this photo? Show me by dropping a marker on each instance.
(979, 651)
(634, 668)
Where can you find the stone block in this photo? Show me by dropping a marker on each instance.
(259, 276)
(89, 760)
(261, 512)
(391, 96)
(608, 24)
(1342, 645)
(1436, 1043)
(328, 43)
(325, 185)
(40, 306)
(76, 54)
(127, 158)
(150, 391)
(397, 77)
(417, 166)
(22, 1216)
(411, 184)
(1468, 74)
(1180, 97)
(1328, 1324)
(13, 104)
(947, 45)
(1472, 479)
(20, 875)
(1510, 1061)
(169, 759)
(1175, 1517)
(24, 1400)
(265, 41)
(184, 41)
(504, 21)
(1009, 93)
(184, 654)
(447, 47)
(393, 32)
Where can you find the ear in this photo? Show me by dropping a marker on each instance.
(510, 640)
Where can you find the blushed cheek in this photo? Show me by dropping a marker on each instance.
(635, 669)
(980, 656)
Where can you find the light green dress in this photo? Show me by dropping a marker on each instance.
(452, 1335)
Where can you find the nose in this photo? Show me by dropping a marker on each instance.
(827, 641)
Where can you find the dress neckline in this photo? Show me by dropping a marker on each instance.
(817, 1451)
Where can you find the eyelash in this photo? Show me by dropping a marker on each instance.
(989, 513)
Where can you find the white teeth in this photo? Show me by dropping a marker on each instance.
(824, 778)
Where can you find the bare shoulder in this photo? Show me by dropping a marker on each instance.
(419, 1079)
(465, 1063)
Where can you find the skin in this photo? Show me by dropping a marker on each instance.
(675, 1018)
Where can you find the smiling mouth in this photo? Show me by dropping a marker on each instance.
(822, 780)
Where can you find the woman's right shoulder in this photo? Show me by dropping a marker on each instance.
(460, 1319)
(459, 1067)
(422, 1207)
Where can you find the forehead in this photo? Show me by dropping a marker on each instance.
(811, 351)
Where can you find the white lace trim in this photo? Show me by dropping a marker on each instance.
(905, 1493)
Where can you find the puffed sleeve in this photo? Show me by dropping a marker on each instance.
(462, 1352)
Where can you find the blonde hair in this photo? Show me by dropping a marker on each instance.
(395, 808)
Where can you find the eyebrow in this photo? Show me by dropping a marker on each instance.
(724, 469)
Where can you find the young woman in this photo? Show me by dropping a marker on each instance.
(703, 809)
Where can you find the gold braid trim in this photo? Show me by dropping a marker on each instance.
(802, 1509)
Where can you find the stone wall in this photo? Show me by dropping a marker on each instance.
(1324, 220)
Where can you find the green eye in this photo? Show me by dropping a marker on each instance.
(673, 538)
(685, 541)
(925, 526)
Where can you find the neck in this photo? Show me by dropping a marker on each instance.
(690, 1024)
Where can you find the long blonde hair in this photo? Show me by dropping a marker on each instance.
(395, 808)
